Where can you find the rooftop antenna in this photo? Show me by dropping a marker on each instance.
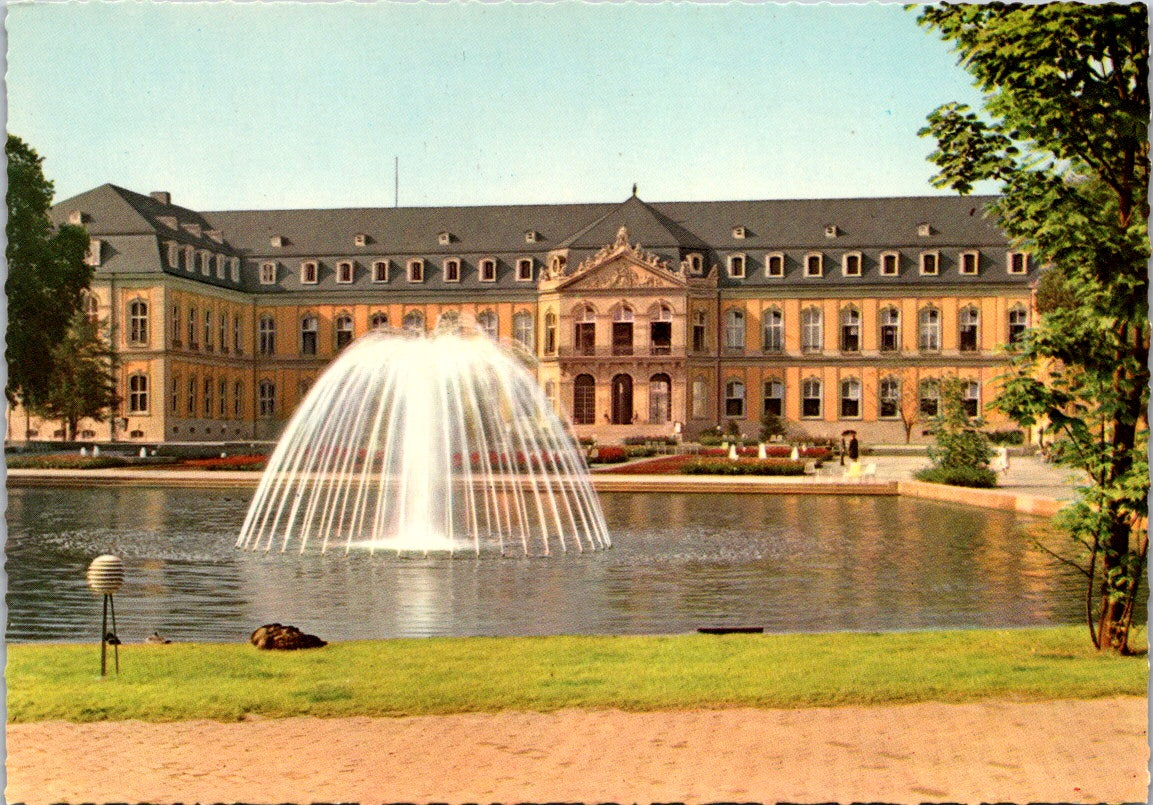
(396, 181)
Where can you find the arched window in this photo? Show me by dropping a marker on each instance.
(237, 335)
(929, 329)
(850, 330)
(890, 329)
(660, 399)
(487, 322)
(1018, 323)
(584, 409)
(850, 398)
(343, 330)
(811, 398)
(735, 329)
(379, 320)
(773, 331)
(971, 397)
(929, 394)
(622, 399)
(812, 330)
(734, 398)
(138, 394)
(193, 329)
(308, 328)
(266, 336)
(413, 321)
(968, 332)
(584, 331)
(177, 326)
(550, 333)
(889, 398)
(522, 330)
(661, 330)
(266, 398)
(92, 309)
(138, 322)
(448, 321)
(623, 319)
(774, 397)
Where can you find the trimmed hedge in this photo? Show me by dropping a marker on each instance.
(979, 477)
(756, 466)
(65, 462)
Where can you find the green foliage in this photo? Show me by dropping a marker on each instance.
(46, 274)
(958, 445)
(979, 477)
(81, 384)
(1011, 436)
(462, 675)
(745, 466)
(64, 462)
(733, 428)
(772, 425)
(1066, 88)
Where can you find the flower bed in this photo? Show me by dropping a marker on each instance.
(226, 463)
(772, 451)
(755, 466)
(65, 462)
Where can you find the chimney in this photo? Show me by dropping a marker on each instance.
(163, 196)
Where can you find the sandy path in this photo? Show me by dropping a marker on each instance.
(1065, 751)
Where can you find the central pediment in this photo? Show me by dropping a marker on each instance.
(624, 265)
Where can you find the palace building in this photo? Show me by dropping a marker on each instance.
(644, 318)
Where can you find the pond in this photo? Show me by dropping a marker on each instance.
(678, 562)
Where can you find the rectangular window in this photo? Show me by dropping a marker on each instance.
(207, 397)
(700, 406)
(890, 398)
(191, 401)
(524, 269)
(970, 262)
(1018, 263)
(220, 267)
(309, 273)
(811, 399)
(237, 335)
(929, 263)
(223, 335)
(699, 332)
(775, 265)
(237, 398)
(222, 399)
(814, 265)
(452, 270)
(890, 264)
(174, 395)
(234, 269)
(774, 398)
(208, 330)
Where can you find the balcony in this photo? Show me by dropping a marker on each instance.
(621, 351)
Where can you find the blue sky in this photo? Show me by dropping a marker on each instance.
(261, 105)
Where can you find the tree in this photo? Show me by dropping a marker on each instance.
(1066, 137)
(47, 272)
(83, 382)
(772, 425)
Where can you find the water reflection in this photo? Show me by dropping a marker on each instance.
(678, 562)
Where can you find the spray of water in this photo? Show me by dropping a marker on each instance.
(422, 444)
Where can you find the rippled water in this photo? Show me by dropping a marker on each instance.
(678, 562)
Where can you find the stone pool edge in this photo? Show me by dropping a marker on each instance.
(982, 498)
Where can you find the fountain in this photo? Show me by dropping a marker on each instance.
(414, 443)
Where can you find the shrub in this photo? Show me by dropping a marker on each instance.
(650, 440)
(1006, 437)
(640, 451)
(980, 477)
(587, 441)
(609, 454)
(65, 462)
(227, 463)
(710, 438)
(756, 466)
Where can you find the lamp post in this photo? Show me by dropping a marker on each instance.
(105, 575)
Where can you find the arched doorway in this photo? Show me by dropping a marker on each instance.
(660, 399)
(584, 407)
(622, 400)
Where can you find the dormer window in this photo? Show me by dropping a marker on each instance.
(531, 236)
(740, 233)
(416, 270)
(814, 264)
(268, 273)
(452, 270)
(360, 239)
(924, 230)
(929, 263)
(205, 261)
(344, 271)
(970, 262)
(220, 266)
(76, 218)
(488, 270)
(444, 238)
(234, 269)
(774, 264)
(277, 241)
(890, 264)
(380, 271)
(737, 266)
(832, 231)
(524, 269)
(309, 272)
(851, 264)
(95, 248)
(696, 265)
(1017, 262)
(174, 255)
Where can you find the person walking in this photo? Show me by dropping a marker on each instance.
(854, 447)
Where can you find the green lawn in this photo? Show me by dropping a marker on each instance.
(453, 675)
